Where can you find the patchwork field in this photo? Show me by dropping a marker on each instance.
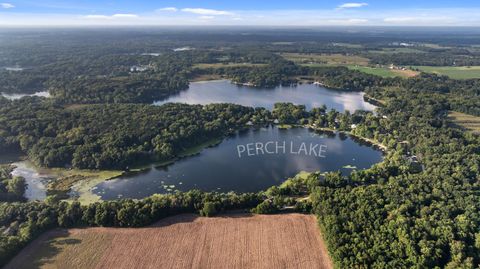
(326, 59)
(185, 241)
(468, 122)
(455, 72)
(351, 61)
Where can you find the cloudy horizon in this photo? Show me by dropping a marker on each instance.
(373, 13)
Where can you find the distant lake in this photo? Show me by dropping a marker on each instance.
(226, 167)
(15, 96)
(310, 95)
(16, 69)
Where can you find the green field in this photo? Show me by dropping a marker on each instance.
(325, 59)
(383, 72)
(455, 72)
(467, 122)
(353, 62)
(396, 50)
(220, 65)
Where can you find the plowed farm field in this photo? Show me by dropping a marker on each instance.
(185, 241)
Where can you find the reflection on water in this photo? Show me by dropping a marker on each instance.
(10, 157)
(15, 96)
(220, 168)
(35, 179)
(222, 91)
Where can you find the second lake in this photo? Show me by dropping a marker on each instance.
(310, 95)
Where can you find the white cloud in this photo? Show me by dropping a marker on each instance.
(96, 17)
(399, 19)
(348, 21)
(6, 5)
(168, 9)
(352, 5)
(206, 17)
(421, 20)
(114, 16)
(125, 16)
(204, 11)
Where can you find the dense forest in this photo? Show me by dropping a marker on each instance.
(114, 136)
(11, 188)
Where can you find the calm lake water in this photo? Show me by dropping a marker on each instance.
(222, 168)
(15, 96)
(310, 95)
(36, 180)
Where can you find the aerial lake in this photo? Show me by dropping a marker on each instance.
(238, 165)
(15, 96)
(310, 95)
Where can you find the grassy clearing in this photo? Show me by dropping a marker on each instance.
(81, 182)
(206, 77)
(455, 72)
(384, 72)
(349, 45)
(60, 249)
(396, 50)
(465, 121)
(197, 149)
(351, 61)
(325, 59)
(284, 126)
(434, 46)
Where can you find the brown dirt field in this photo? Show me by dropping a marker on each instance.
(185, 241)
(406, 73)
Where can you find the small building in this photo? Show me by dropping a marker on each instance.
(137, 68)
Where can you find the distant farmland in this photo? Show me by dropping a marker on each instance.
(385, 72)
(186, 241)
(325, 59)
(465, 121)
(455, 72)
(353, 62)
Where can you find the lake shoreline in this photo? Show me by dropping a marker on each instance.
(82, 190)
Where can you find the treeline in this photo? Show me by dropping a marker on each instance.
(11, 188)
(425, 58)
(277, 72)
(345, 79)
(114, 136)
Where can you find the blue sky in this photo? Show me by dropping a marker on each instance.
(240, 12)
